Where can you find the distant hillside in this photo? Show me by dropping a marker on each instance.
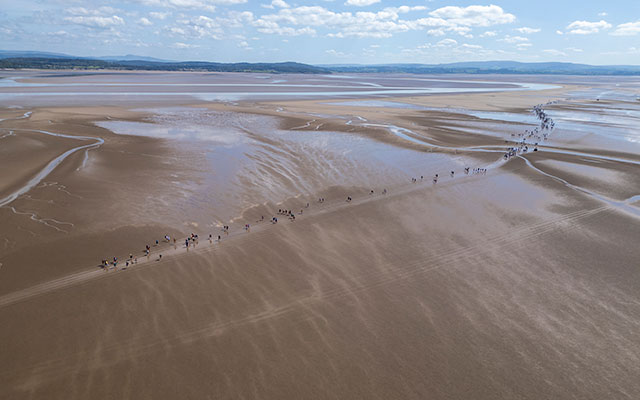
(42, 60)
(491, 67)
(32, 54)
(93, 64)
(132, 57)
(44, 54)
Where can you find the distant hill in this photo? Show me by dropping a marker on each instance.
(133, 57)
(44, 60)
(491, 67)
(44, 54)
(93, 64)
(32, 54)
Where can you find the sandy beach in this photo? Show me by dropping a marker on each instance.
(518, 278)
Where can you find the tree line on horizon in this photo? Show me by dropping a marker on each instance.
(135, 65)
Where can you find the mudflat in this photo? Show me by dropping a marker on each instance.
(511, 274)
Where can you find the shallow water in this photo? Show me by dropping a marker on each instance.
(250, 161)
(606, 121)
(618, 121)
(378, 103)
(233, 87)
(492, 115)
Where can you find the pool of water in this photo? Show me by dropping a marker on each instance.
(244, 159)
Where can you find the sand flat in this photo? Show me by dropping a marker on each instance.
(520, 282)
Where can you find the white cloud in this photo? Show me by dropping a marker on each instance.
(335, 53)
(406, 9)
(360, 3)
(526, 30)
(209, 5)
(95, 21)
(144, 21)
(367, 52)
(436, 32)
(61, 34)
(554, 52)
(180, 45)
(446, 43)
(276, 4)
(273, 28)
(361, 24)
(159, 15)
(139, 43)
(100, 11)
(311, 16)
(603, 14)
(101, 17)
(489, 34)
(383, 23)
(560, 32)
(462, 31)
(470, 46)
(199, 27)
(447, 48)
(176, 31)
(244, 45)
(474, 15)
(586, 27)
(235, 19)
(628, 29)
(514, 39)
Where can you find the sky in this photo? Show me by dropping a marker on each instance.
(329, 31)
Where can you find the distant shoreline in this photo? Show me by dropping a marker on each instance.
(471, 68)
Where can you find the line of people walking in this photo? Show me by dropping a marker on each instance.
(546, 126)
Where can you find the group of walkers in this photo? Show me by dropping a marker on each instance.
(192, 240)
(106, 264)
(541, 133)
(436, 177)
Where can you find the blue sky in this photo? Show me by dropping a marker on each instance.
(325, 31)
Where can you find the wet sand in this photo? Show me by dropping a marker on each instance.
(518, 283)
